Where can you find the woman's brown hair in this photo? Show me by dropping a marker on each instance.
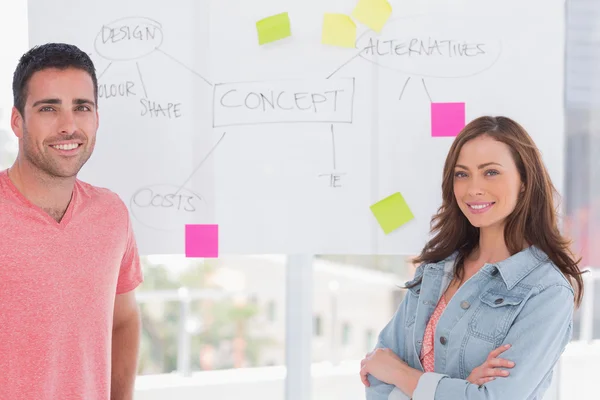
(533, 220)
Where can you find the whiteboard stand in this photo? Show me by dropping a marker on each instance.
(298, 327)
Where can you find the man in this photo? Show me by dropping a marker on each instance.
(69, 321)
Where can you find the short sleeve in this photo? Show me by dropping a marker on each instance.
(130, 272)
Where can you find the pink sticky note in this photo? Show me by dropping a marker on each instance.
(447, 119)
(202, 241)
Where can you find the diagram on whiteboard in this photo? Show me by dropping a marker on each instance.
(307, 127)
(328, 101)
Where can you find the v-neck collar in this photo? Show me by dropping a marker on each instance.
(66, 217)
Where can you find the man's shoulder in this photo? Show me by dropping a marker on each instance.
(100, 196)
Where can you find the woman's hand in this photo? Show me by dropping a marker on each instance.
(490, 369)
(383, 364)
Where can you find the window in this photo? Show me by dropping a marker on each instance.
(369, 340)
(203, 315)
(346, 334)
(254, 299)
(271, 308)
(353, 295)
(317, 326)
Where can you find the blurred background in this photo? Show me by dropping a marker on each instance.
(230, 328)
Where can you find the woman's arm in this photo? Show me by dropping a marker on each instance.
(538, 336)
(391, 337)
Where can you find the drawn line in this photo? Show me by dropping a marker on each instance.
(426, 91)
(201, 162)
(105, 69)
(346, 63)
(403, 88)
(141, 79)
(333, 143)
(221, 125)
(185, 66)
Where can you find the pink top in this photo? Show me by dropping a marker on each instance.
(427, 355)
(58, 285)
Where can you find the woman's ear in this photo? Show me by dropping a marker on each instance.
(522, 187)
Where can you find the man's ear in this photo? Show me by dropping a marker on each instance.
(17, 122)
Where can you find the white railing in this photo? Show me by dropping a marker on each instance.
(575, 379)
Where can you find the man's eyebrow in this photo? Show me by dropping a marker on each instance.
(84, 101)
(47, 101)
(59, 101)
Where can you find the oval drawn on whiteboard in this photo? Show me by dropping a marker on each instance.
(167, 207)
(437, 46)
(128, 38)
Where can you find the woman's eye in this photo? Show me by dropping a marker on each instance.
(459, 174)
(491, 172)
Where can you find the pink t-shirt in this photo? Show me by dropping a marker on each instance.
(58, 283)
(427, 351)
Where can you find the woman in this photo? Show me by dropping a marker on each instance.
(496, 272)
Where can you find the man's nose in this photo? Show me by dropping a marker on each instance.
(67, 124)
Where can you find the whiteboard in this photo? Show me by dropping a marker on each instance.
(286, 146)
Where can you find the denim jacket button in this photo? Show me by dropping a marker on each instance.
(495, 272)
(418, 291)
(499, 301)
(465, 305)
(443, 340)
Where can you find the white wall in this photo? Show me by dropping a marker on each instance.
(13, 31)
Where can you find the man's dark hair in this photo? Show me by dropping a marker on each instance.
(49, 55)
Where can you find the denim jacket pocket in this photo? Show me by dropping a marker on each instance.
(494, 315)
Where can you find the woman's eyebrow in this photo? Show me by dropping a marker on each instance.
(481, 166)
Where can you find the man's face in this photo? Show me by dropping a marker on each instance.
(57, 132)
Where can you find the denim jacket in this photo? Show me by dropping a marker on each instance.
(524, 301)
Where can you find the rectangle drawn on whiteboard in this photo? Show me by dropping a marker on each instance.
(283, 101)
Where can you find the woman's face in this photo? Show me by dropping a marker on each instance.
(486, 182)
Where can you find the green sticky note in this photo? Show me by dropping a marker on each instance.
(273, 28)
(338, 30)
(392, 212)
(373, 13)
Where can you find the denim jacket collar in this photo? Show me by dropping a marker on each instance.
(519, 265)
(512, 270)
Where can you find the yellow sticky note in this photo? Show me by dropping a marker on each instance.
(373, 13)
(392, 212)
(338, 30)
(273, 28)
